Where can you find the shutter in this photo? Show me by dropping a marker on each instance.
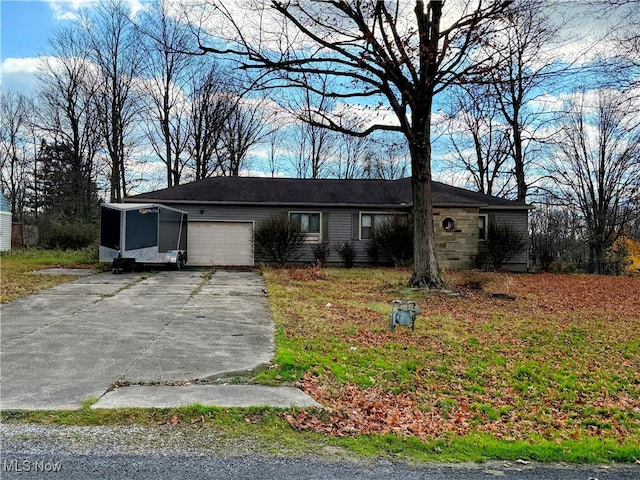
(355, 226)
(325, 227)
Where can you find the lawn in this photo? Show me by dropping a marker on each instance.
(16, 270)
(506, 366)
(553, 362)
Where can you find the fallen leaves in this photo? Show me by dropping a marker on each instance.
(561, 361)
(372, 411)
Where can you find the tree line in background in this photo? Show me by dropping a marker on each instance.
(119, 95)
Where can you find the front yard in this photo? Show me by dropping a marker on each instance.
(513, 366)
(16, 270)
(558, 367)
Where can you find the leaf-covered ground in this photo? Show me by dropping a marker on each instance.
(559, 362)
(17, 278)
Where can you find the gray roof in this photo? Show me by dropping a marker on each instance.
(327, 192)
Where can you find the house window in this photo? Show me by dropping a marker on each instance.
(368, 221)
(482, 227)
(309, 223)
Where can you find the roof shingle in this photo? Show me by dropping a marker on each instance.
(335, 192)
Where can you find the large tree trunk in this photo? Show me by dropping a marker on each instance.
(426, 272)
(518, 158)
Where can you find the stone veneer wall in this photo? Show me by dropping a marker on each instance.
(457, 248)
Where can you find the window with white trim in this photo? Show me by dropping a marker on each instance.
(483, 223)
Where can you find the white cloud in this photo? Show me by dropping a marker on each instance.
(18, 74)
(69, 9)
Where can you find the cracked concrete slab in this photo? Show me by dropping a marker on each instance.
(206, 395)
(74, 341)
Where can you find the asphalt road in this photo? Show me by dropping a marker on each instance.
(141, 467)
(166, 452)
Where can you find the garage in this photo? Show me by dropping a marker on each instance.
(220, 244)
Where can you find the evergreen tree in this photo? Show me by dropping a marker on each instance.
(66, 189)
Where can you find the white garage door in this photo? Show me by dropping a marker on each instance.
(220, 243)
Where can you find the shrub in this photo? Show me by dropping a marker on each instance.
(393, 239)
(278, 239)
(504, 242)
(321, 253)
(373, 253)
(624, 254)
(66, 235)
(482, 261)
(559, 265)
(347, 252)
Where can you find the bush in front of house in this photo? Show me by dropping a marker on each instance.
(278, 239)
(347, 252)
(504, 242)
(67, 235)
(321, 252)
(392, 239)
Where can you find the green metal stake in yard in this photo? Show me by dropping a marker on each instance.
(403, 313)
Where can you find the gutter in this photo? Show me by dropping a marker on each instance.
(329, 205)
(273, 204)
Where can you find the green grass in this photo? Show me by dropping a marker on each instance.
(556, 386)
(272, 434)
(480, 447)
(16, 267)
(551, 376)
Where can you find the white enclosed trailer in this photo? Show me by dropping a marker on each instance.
(142, 233)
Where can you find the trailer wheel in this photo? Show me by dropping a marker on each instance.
(179, 262)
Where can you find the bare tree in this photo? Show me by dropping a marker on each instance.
(479, 138)
(525, 53)
(274, 141)
(377, 51)
(67, 112)
(312, 144)
(556, 235)
(168, 68)
(114, 48)
(210, 105)
(388, 158)
(352, 154)
(311, 147)
(16, 157)
(243, 127)
(625, 27)
(597, 168)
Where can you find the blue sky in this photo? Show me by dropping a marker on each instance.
(26, 27)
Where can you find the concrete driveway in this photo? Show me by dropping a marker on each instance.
(73, 342)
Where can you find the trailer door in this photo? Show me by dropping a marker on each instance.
(110, 228)
(171, 231)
